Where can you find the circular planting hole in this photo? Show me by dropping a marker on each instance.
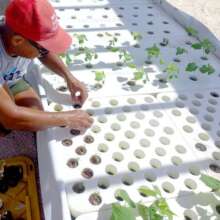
(108, 110)
(176, 160)
(113, 102)
(133, 166)
(168, 187)
(217, 144)
(135, 124)
(62, 88)
(144, 142)
(90, 112)
(165, 22)
(95, 159)
(164, 140)
(214, 94)
(166, 32)
(149, 132)
(126, 108)
(154, 123)
(139, 154)
(190, 184)
(212, 102)
(103, 183)
(165, 98)
(217, 208)
(176, 60)
(155, 163)
(129, 134)
(168, 130)
(100, 35)
(176, 112)
(197, 103)
(117, 156)
(72, 163)
(95, 199)
(180, 104)
(148, 100)
(150, 177)
(111, 170)
(139, 115)
(88, 139)
(180, 149)
(150, 23)
(206, 126)
(67, 142)
(194, 111)
(115, 127)
(187, 129)
(150, 32)
(96, 104)
(78, 187)
(81, 150)
(109, 137)
(215, 168)
(200, 147)
(199, 95)
(131, 101)
(119, 64)
(102, 119)
(87, 173)
(75, 132)
(160, 151)
(58, 108)
(158, 114)
(193, 78)
(216, 155)
(124, 145)
(191, 119)
(208, 118)
(204, 136)
(121, 117)
(127, 180)
(194, 170)
(102, 148)
(173, 174)
(190, 215)
(96, 129)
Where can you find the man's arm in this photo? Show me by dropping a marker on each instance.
(54, 63)
(16, 117)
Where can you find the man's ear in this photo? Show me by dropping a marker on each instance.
(17, 40)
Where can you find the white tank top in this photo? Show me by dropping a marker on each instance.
(11, 68)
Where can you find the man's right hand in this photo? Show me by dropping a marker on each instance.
(78, 119)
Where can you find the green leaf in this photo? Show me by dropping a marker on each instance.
(207, 69)
(124, 195)
(162, 62)
(136, 36)
(143, 211)
(153, 214)
(191, 67)
(114, 49)
(172, 68)
(180, 50)
(108, 34)
(138, 75)
(132, 65)
(207, 46)
(153, 51)
(99, 75)
(211, 182)
(147, 191)
(191, 31)
(197, 46)
(157, 190)
(163, 208)
(122, 213)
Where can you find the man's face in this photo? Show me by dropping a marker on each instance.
(26, 48)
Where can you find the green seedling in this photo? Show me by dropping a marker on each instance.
(125, 57)
(99, 78)
(66, 58)
(112, 43)
(136, 36)
(153, 52)
(208, 69)
(158, 210)
(191, 67)
(180, 51)
(206, 46)
(81, 38)
(191, 31)
(172, 71)
(89, 55)
(211, 182)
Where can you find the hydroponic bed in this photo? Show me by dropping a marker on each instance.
(147, 130)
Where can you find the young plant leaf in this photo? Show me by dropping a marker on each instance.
(180, 50)
(122, 213)
(207, 46)
(136, 36)
(191, 31)
(162, 62)
(211, 182)
(143, 211)
(138, 75)
(191, 67)
(114, 49)
(99, 75)
(153, 51)
(147, 191)
(197, 46)
(207, 69)
(132, 65)
(124, 196)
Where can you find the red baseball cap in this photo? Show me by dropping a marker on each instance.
(36, 20)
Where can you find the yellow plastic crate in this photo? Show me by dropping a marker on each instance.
(22, 200)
